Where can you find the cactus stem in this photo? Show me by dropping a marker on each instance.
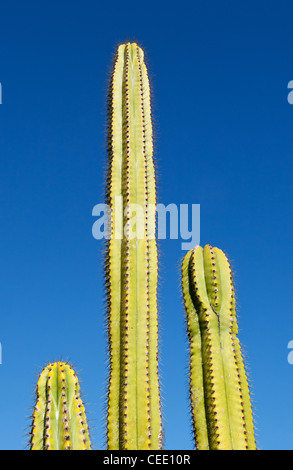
(219, 394)
(131, 262)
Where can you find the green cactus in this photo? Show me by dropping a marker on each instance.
(219, 392)
(59, 421)
(134, 411)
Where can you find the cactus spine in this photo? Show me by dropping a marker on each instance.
(59, 421)
(219, 393)
(134, 417)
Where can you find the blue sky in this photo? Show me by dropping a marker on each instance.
(223, 128)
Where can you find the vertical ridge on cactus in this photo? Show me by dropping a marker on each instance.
(134, 415)
(59, 420)
(219, 393)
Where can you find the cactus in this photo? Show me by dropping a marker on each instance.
(219, 392)
(133, 403)
(59, 421)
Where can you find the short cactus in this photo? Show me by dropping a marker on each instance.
(219, 392)
(134, 415)
(59, 421)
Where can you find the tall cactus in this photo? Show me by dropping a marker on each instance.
(134, 415)
(219, 393)
(59, 421)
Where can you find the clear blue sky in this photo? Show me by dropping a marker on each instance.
(223, 124)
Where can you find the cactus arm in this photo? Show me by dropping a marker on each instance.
(228, 409)
(134, 420)
(196, 385)
(59, 421)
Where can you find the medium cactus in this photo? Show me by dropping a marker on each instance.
(134, 415)
(219, 393)
(59, 421)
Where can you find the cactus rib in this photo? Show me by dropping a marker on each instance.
(134, 417)
(219, 393)
(59, 421)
